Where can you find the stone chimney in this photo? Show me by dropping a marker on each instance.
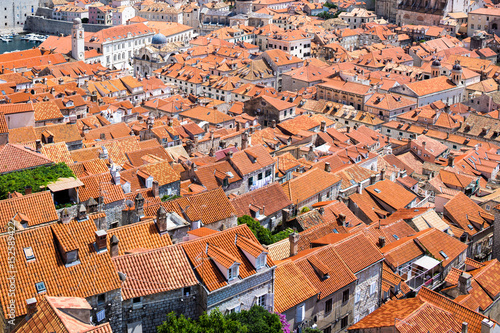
(328, 167)
(273, 123)
(28, 190)
(465, 327)
(322, 128)
(101, 237)
(31, 306)
(381, 241)
(161, 220)
(92, 206)
(487, 326)
(38, 145)
(464, 283)
(229, 154)
(341, 219)
(321, 210)
(382, 174)
(82, 213)
(114, 249)
(294, 243)
(373, 179)
(156, 189)
(451, 161)
(65, 218)
(103, 136)
(139, 204)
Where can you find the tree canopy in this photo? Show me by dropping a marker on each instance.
(257, 319)
(264, 235)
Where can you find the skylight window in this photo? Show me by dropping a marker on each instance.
(395, 237)
(443, 254)
(28, 253)
(377, 190)
(470, 226)
(335, 231)
(40, 287)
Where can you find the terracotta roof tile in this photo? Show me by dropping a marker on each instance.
(271, 198)
(94, 274)
(17, 157)
(155, 271)
(291, 287)
(224, 241)
(309, 184)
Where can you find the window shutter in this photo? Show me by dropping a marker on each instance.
(270, 302)
(300, 313)
(254, 301)
(373, 288)
(356, 297)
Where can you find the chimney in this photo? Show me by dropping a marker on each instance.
(103, 136)
(82, 213)
(30, 306)
(348, 129)
(341, 219)
(382, 174)
(373, 179)
(381, 241)
(294, 246)
(92, 206)
(65, 218)
(465, 327)
(323, 126)
(114, 246)
(27, 190)
(328, 167)
(139, 205)
(38, 146)
(156, 189)
(464, 283)
(487, 326)
(161, 220)
(229, 154)
(285, 215)
(100, 240)
(273, 123)
(424, 144)
(451, 161)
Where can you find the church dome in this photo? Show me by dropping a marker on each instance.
(436, 63)
(457, 67)
(77, 20)
(159, 39)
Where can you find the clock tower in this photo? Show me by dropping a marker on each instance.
(77, 40)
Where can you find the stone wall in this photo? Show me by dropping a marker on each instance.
(38, 24)
(242, 292)
(367, 301)
(112, 307)
(154, 308)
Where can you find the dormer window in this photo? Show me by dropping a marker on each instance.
(232, 272)
(40, 287)
(28, 253)
(261, 261)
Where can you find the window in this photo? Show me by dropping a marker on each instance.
(232, 273)
(345, 296)
(300, 313)
(259, 177)
(236, 309)
(250, 181)
(443, 255)
(261, 300)
(268, 173)
(373, 288)
(344, 322)
(136, 302)
(101, 299)
(328, 330)
(328, 306)
(28, 253)
(261, 261)
(40, 287)
(187, 291)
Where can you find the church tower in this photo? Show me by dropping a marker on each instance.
(77, 40)
(456, 73)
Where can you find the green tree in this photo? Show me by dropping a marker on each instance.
(258, 319)
(311, 330)
(304, 210)
(264, 235)
(180, 324)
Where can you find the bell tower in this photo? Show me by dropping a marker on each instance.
(77, 40)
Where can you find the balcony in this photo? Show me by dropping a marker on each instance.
(425, 272)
